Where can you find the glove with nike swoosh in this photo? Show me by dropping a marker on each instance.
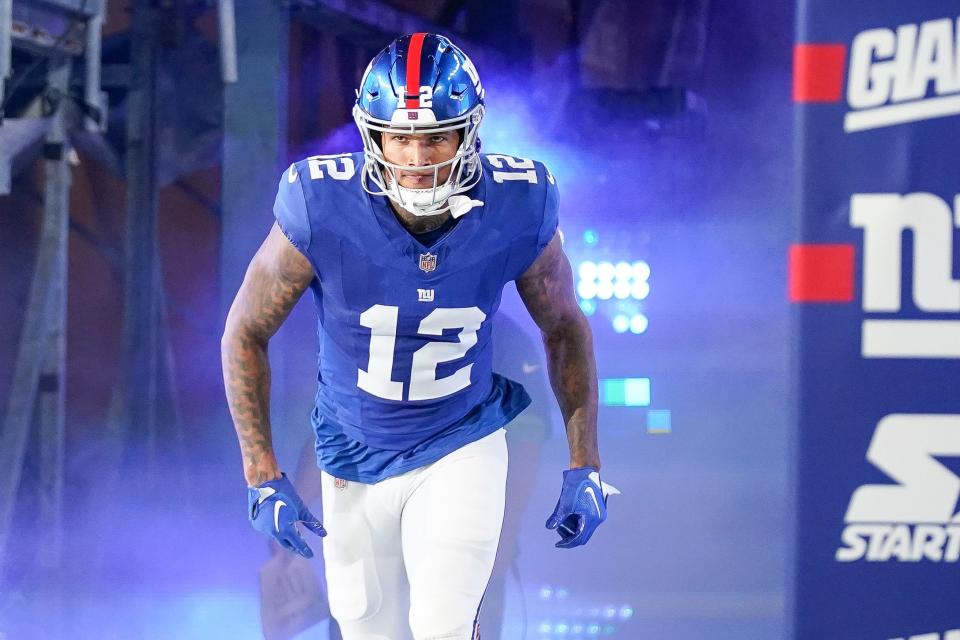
(582, 506)
(275, 509)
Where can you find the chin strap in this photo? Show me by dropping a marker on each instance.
(461, 205)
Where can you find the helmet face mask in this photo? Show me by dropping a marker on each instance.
(449, 98)
(380, 175)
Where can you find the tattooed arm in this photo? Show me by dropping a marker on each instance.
(546, 289)
(276, 278)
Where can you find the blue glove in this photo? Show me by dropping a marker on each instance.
(581, 508)
(274, 510)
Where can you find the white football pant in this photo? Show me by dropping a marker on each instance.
(409, 557)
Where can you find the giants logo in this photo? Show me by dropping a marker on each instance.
(884, 218)
(917, 518)
(895, 76)
(824, 273)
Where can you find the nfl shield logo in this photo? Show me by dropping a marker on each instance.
(428, 262)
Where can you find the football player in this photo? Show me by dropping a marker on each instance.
(406, 248)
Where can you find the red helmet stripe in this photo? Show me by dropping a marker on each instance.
(413, 70)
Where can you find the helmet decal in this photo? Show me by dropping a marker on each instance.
(414, 52)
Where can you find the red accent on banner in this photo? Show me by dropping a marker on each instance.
(413, 70)
(821, 273)
(818, 72)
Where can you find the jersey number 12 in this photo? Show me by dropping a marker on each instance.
(424, 385)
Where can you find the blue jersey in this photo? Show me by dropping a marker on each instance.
(404, 330)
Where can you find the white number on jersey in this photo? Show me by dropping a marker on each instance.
(424, 384)
(382, 322)
(332, 164)
(520, 168)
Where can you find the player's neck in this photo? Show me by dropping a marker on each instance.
(418, 224)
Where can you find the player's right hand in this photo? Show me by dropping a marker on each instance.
(275, 509)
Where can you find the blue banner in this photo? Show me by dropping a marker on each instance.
(874, 279)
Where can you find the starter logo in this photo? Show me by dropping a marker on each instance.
(824, 273)
(916, 518)
(895, 75)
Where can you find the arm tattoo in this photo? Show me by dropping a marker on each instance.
(546, 289)
(276, 278)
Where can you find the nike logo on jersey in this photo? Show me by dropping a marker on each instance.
(528, 368)
(593, 496)
(292, 174)
(276, 513)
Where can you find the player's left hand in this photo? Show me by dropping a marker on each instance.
(581, 508)
(275, 508)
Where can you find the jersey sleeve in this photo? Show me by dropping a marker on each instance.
(531, 242)
(290, 210)
(551, 208)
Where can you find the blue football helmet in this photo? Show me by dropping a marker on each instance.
(420, 84)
